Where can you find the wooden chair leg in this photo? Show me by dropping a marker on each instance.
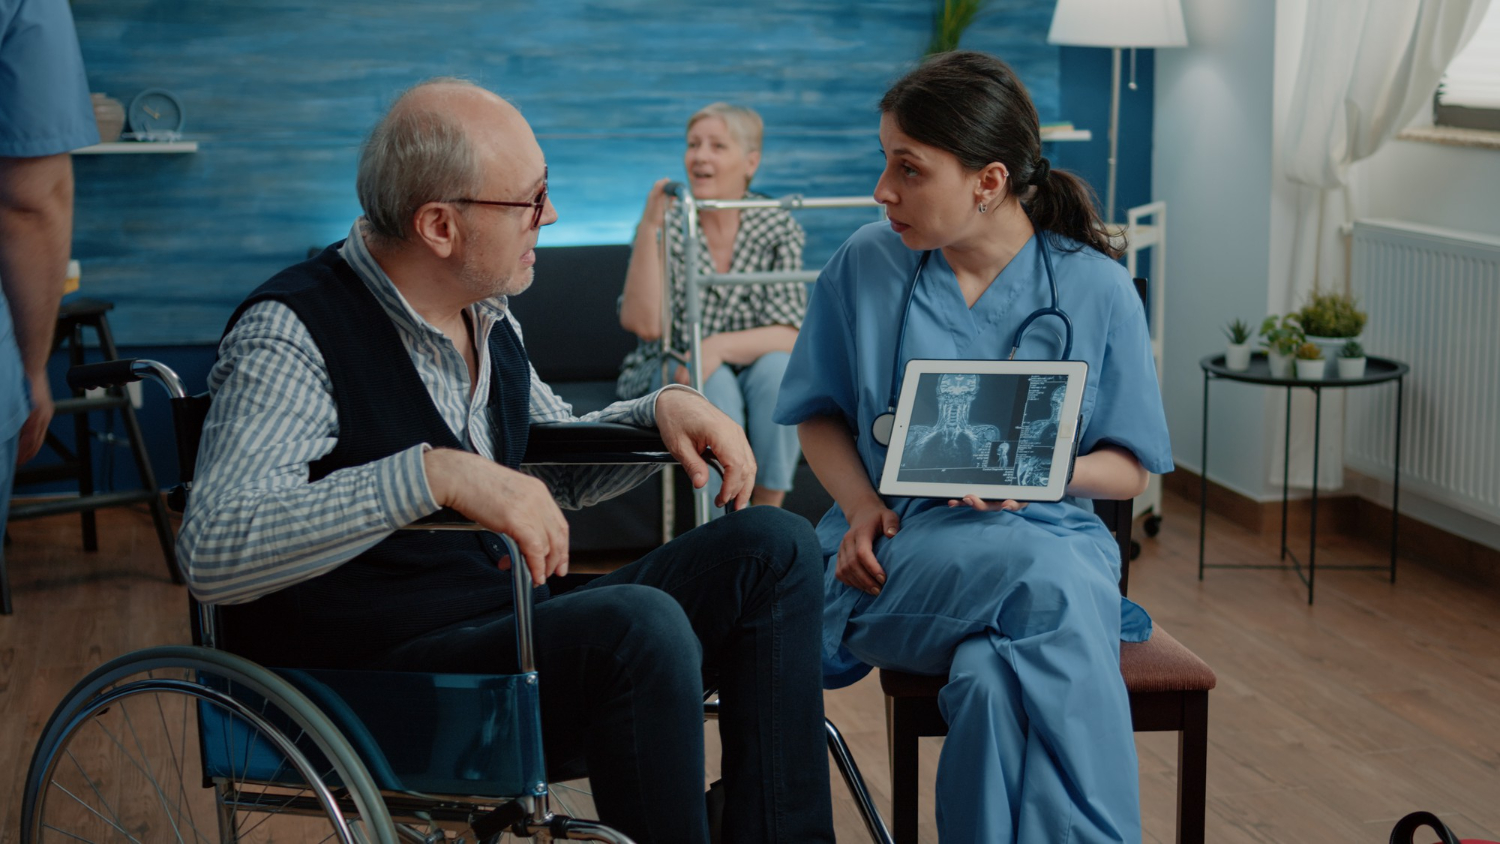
(901, 733)
(1192, 769)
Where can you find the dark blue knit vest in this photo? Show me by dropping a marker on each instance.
(413, 582)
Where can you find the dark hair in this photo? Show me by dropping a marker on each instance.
(973, 106)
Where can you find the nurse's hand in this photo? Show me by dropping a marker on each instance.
(982, 505)
(857, 565)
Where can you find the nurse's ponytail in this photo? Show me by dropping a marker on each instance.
(973, 106)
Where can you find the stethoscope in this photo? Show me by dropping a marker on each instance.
(881, 428)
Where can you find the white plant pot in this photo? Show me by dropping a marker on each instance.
(1330, 347)
(1351, 368)
(1237, 357)
(1310, 370)
(1281, 365)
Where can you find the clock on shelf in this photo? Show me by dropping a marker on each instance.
(156, 115)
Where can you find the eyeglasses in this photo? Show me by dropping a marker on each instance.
(536, 205)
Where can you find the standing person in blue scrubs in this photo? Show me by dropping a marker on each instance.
(44, 113)
(1018, 605)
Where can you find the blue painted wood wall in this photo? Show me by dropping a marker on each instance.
(281, 92)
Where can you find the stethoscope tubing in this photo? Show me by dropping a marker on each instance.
(881, 428)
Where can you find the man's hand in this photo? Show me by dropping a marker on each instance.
(689, 424)
(35, 429)
(857, 565)
(504, 501)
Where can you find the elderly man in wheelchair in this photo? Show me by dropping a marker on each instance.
(384, 382)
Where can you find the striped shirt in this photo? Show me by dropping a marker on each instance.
(768, 239)
(255, 524)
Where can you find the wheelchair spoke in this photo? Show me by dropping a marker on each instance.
(129, 757)
(92, 787)
(96, 814)
(182, 798)
(151, 776)
(63, 832)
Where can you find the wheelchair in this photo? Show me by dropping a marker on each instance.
(192, 743)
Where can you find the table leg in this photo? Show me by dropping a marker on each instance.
(1203, 479)
(1396, 477)
(1312, 541)
(1286, 463)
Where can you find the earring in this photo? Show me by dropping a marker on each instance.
(982, 209)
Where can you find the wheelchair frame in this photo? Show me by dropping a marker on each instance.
(386, 814)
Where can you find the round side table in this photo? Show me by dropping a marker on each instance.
(1377, 371)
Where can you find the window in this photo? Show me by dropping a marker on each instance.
(1469, 94)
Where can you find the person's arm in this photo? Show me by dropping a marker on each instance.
(741, 348)
(1111, 472)
(36, 226)
(831, 452)
(255, 523)
(641, 303)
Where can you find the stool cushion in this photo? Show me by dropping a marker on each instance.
(1159, 664)
(1163, 664)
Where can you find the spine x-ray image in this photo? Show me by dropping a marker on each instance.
(983, 429)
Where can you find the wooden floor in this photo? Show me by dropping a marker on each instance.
(1329, 722)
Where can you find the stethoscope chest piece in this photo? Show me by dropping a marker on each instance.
(881, 428)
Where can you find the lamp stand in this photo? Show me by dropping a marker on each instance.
(1114, 134)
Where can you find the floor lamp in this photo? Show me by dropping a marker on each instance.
(1119, 25)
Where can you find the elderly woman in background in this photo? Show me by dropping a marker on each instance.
(748, 330)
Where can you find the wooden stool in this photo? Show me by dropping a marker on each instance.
(77, 463)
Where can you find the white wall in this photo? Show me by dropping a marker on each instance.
(1221, 105)
(1421, 182)
(1212, 164)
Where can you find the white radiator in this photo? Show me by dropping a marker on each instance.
(1433, 297)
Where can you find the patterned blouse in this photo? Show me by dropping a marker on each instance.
(768, 240)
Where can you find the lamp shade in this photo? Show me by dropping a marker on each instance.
(1118, 23)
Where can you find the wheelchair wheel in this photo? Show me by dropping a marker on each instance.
(190, 744)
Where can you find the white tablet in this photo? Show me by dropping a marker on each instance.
(995, 429)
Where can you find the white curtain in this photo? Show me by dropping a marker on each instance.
(1367, 68)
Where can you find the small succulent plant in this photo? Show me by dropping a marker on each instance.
(1352, 349)
(1309, 351)
(1238, 332)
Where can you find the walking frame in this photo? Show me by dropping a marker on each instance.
(695, 282)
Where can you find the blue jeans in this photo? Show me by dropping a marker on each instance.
(748, 397)
(735, 604)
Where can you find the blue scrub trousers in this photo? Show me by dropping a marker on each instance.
(1040, 745)
(748, 397)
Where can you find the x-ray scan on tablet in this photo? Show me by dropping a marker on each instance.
(995, 429)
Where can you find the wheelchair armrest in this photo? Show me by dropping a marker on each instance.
(594, 442)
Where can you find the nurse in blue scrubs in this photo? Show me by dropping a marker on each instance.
(1018, 605)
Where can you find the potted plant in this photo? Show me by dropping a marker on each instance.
(1237, 356)
(1310, 364)
(1352, 360)
(1330, 320)
(1281, 337)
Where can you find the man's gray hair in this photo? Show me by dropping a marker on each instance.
(414, 156)
(745, 126)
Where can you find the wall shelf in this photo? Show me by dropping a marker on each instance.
(139, 147)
